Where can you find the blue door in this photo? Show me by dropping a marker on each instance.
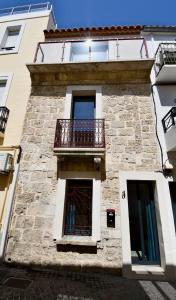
(142, 219)
(172, 186)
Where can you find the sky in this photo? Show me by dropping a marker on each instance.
(87, 13)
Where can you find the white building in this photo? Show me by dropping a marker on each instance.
(161, 45)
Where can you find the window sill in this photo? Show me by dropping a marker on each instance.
(15, 51)
(146, 269)
(77, 241)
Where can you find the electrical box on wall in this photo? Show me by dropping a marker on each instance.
(6, 162)
(111, 218)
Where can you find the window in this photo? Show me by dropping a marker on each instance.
(77, 215)
(83, 107)
(11, 39)
(3, 83)
(94, 101)
(78, 208)
(89, 51)
(84, 126)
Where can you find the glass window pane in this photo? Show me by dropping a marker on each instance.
(2, 90)
(79, 51)
(12, 37)
(83, 107)
(99, 51)
(78, 208)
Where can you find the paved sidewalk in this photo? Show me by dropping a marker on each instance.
(19, 284)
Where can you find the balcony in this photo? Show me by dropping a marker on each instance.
(79, 136)
(91, 50)
(94, 61)
(165, 64)
(4, 113)
(169, 126)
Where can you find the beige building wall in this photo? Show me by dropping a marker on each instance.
(13, 65)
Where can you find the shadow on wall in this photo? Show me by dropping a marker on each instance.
(172, 159)
(167, 95)
(1, 141)
(3, 182)
(77, 249)
(121, 90)
(49, 91)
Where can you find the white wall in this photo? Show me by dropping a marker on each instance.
(164, 95)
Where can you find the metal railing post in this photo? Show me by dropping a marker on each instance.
(63, 52)
(117, 49)
(29, 9)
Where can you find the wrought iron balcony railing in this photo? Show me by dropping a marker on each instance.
(84, 133)
(166, 54)
(4, 113)
(170, 119)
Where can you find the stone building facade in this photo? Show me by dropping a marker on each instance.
(131, 153)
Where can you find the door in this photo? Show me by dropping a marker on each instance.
(83, 121)
(172, 187)
(142, 220)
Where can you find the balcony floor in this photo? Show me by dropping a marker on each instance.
(80, 151)
(108, 72)
(167, 74)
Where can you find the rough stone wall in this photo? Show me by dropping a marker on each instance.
(130, 145)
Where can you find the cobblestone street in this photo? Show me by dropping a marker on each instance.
(18, 284)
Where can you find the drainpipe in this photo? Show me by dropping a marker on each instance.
(9, 200)
(156, 127)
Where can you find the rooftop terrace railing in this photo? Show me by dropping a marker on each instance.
(91, 50)
(25, 9)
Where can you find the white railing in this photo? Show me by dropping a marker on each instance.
(25, 9)
(94, 50)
